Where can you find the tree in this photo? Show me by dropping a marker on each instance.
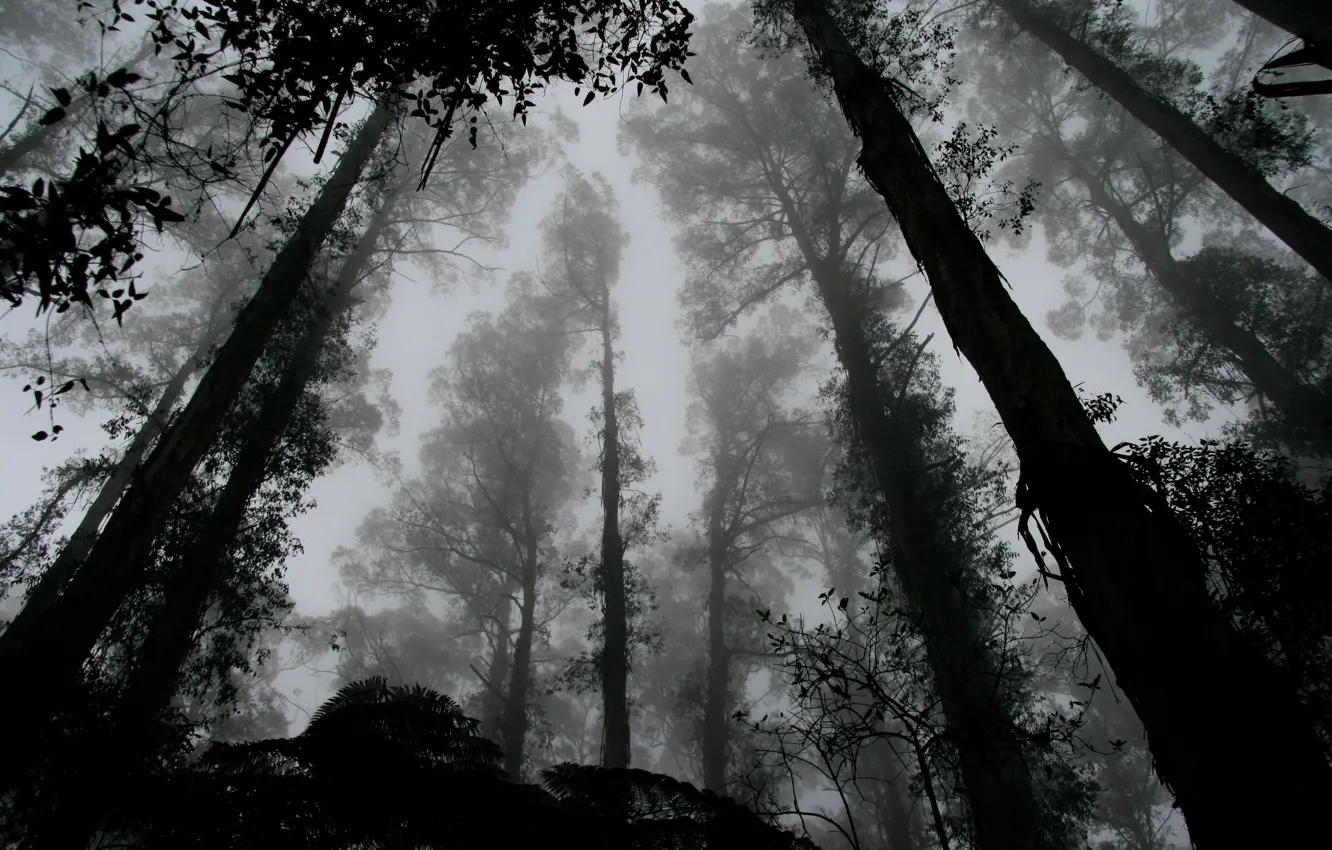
(583, 243)
(311, 790)
(743, 431)
(51, 645)
(1212, 329)
(1284, 217)
(753, 161)
(1133, 575)
(1302, 18)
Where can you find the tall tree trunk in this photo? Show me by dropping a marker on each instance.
(1131, 572)
(1288, 221)
(156, 666)
(615, 652)
(999, 785)
(492, 712)
(716, 727)
(1310, 19)
(1305, 408)
(997, 780)
(48, 651)
(80, 543)
(520, 676)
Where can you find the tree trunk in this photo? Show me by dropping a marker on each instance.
(716, 726)
(999, 785)
(515, 709)
(1131, 572)
(157, 665)
(48, 651)
(1288, 221)
(492, 712)
(997, 780)
(1304, 407)
(615, 652)
(1311, 19)
(80, 543)
(12, 157)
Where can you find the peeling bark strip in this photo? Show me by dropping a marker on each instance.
(1133, 576)
(1288, 221)
(48, 651)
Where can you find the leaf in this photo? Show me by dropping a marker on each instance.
(40, 435)
(62, 95)
(64, 388)
(684, 75)
(122, 77)
(52, 117)
(590, 97)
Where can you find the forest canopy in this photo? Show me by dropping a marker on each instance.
(665, 424)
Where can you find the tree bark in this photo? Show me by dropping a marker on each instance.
(48, 651)
(615, 652)
(716, 728)
(492, 713)
(1131, 572)
(520, 676)
(1311, 19)
(1291, 223)
(1305, 408)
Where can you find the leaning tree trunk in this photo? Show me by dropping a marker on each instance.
(1130, 570)
(615, 651)
(999, 784)
(157, 665)
(1288, 221)
(1305, 408)
(80, 543)
(155, 671)
(48, 651)
(716, 727)
(1311, 19)
(520, 676)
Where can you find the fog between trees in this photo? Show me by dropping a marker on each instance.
(883, 425)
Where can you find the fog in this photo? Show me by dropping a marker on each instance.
(715, 402)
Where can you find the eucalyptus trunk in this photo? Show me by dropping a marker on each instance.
(716, 728)
(996, 777)
(492, 712)
(47, 650)
(1131, 572)
(1291, 223)
(157, 665)
(520, 675)
(80, 543)
(615, 651)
